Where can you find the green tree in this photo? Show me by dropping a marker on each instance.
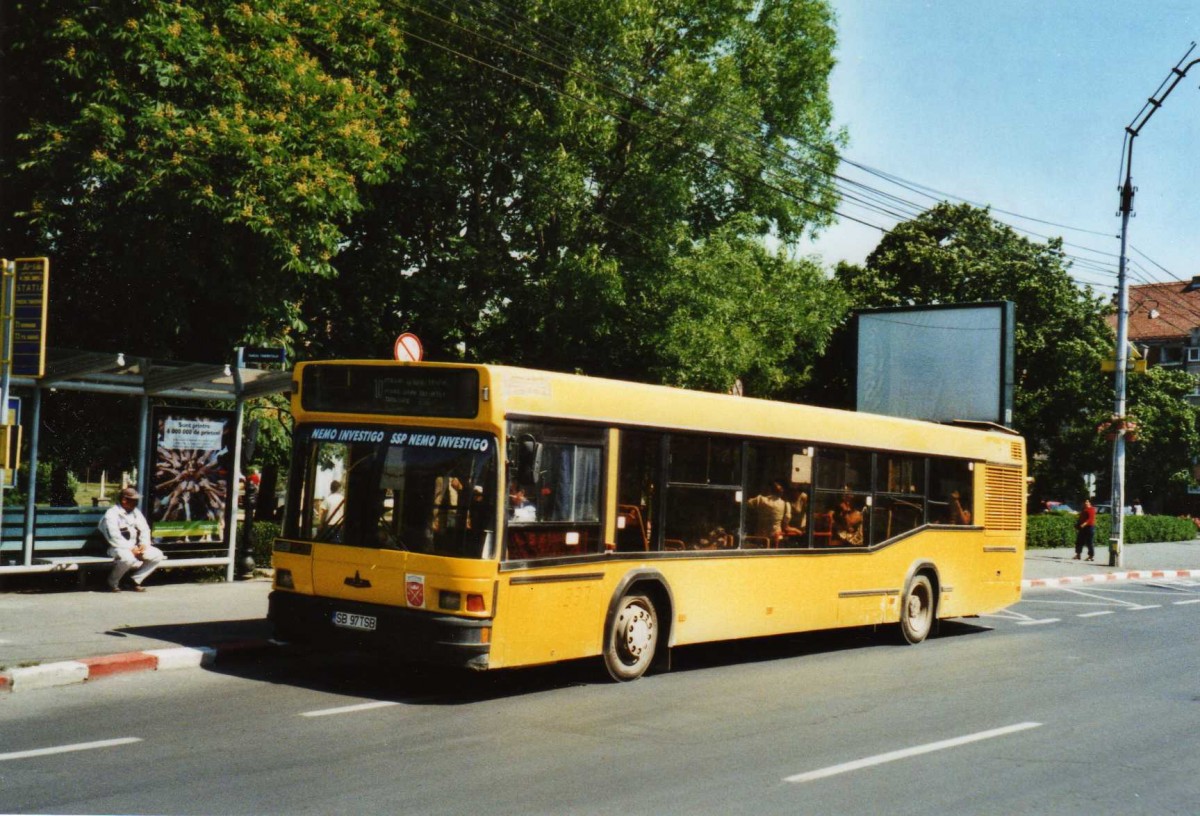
(1158, 465)
(960, 254)
(589, 186)
(189, 165)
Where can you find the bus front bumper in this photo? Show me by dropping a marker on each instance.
(407, 634)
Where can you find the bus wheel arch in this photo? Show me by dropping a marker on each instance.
(637, 628)
(919, 603)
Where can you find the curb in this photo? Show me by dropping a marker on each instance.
(69, 672)
(1107, 577)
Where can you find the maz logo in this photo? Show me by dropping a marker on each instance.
(357, 581)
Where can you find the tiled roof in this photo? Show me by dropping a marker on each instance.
(1162, 312)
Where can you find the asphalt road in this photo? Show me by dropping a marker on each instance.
(1074, 701)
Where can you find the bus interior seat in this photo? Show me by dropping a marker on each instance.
(823, 528)
(634, 530)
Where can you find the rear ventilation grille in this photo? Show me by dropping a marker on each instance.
(1005, 509)
(1018, 451)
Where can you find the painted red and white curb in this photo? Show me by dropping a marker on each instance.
(68, 672)
(1109, 577)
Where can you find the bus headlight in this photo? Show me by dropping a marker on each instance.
(283, 579)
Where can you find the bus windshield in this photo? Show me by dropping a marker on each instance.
(402, 489)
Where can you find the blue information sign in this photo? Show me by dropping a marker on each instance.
(29, 316)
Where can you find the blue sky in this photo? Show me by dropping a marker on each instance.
(1022, 105)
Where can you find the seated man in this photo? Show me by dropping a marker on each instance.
(128, 536)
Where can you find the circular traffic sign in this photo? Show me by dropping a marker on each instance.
(408, 348)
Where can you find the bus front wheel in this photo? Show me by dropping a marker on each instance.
(632, 638)
(917, 610)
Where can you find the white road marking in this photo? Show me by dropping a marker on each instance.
(1184, 603)
(1108, 600)
(350, 709)
(1021, 618)
(905, 753)
(1138, 608)
(66, 749)
(1038, 622)
(1094, 614)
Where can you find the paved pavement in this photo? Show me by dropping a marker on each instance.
(54, 633)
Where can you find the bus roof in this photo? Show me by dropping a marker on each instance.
(530, 393)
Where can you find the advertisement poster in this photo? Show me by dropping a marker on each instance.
(192, 463)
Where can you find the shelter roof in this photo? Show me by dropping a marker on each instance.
(119, 373)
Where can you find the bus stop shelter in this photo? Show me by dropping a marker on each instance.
(129, 375)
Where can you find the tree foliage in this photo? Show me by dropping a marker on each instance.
(1159, 462)
(588, 187)
(604, 187)
(187, 164)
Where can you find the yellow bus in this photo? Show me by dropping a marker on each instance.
(489, 516)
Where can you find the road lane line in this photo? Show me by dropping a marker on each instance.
(1184, 603)
(66, 749)
(350, 709)
(1139, 608)
(905, 753)
(1094, 614)
(1038, 622)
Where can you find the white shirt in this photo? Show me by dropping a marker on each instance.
(124, 529)
(331, 509)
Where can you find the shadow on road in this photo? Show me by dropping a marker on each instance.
(374, 677)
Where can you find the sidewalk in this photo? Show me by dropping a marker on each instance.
(53, 636)
(1057, 566)
(60, 636)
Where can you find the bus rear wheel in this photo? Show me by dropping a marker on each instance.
(632, 638)
(917, 609)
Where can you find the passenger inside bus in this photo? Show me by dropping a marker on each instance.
(520, 508)
(848, 523)
(331, 514)
(956, 513)
(446, 490)
(768, 516)
(794, 536)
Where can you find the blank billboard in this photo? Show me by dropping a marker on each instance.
(939, 363)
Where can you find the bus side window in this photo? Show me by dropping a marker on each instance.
(704, 492)
(640, 468)
(554, 496)
(951, 497)
(899, 495)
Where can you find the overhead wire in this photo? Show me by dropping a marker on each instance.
(873, 195)
(863, 196)
(658, 111)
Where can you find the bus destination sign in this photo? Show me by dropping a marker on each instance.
(392, 391)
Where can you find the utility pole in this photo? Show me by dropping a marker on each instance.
(1116, 541)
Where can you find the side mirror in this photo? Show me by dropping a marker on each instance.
(529, 460)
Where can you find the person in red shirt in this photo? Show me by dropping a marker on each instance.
(1086, 531)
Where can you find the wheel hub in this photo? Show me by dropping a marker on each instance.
(638, 632)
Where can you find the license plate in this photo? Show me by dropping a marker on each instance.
(349, 620)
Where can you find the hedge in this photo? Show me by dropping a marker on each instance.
(1058, 529)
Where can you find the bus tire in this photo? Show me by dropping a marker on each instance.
(917, 609)
(632, 638)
